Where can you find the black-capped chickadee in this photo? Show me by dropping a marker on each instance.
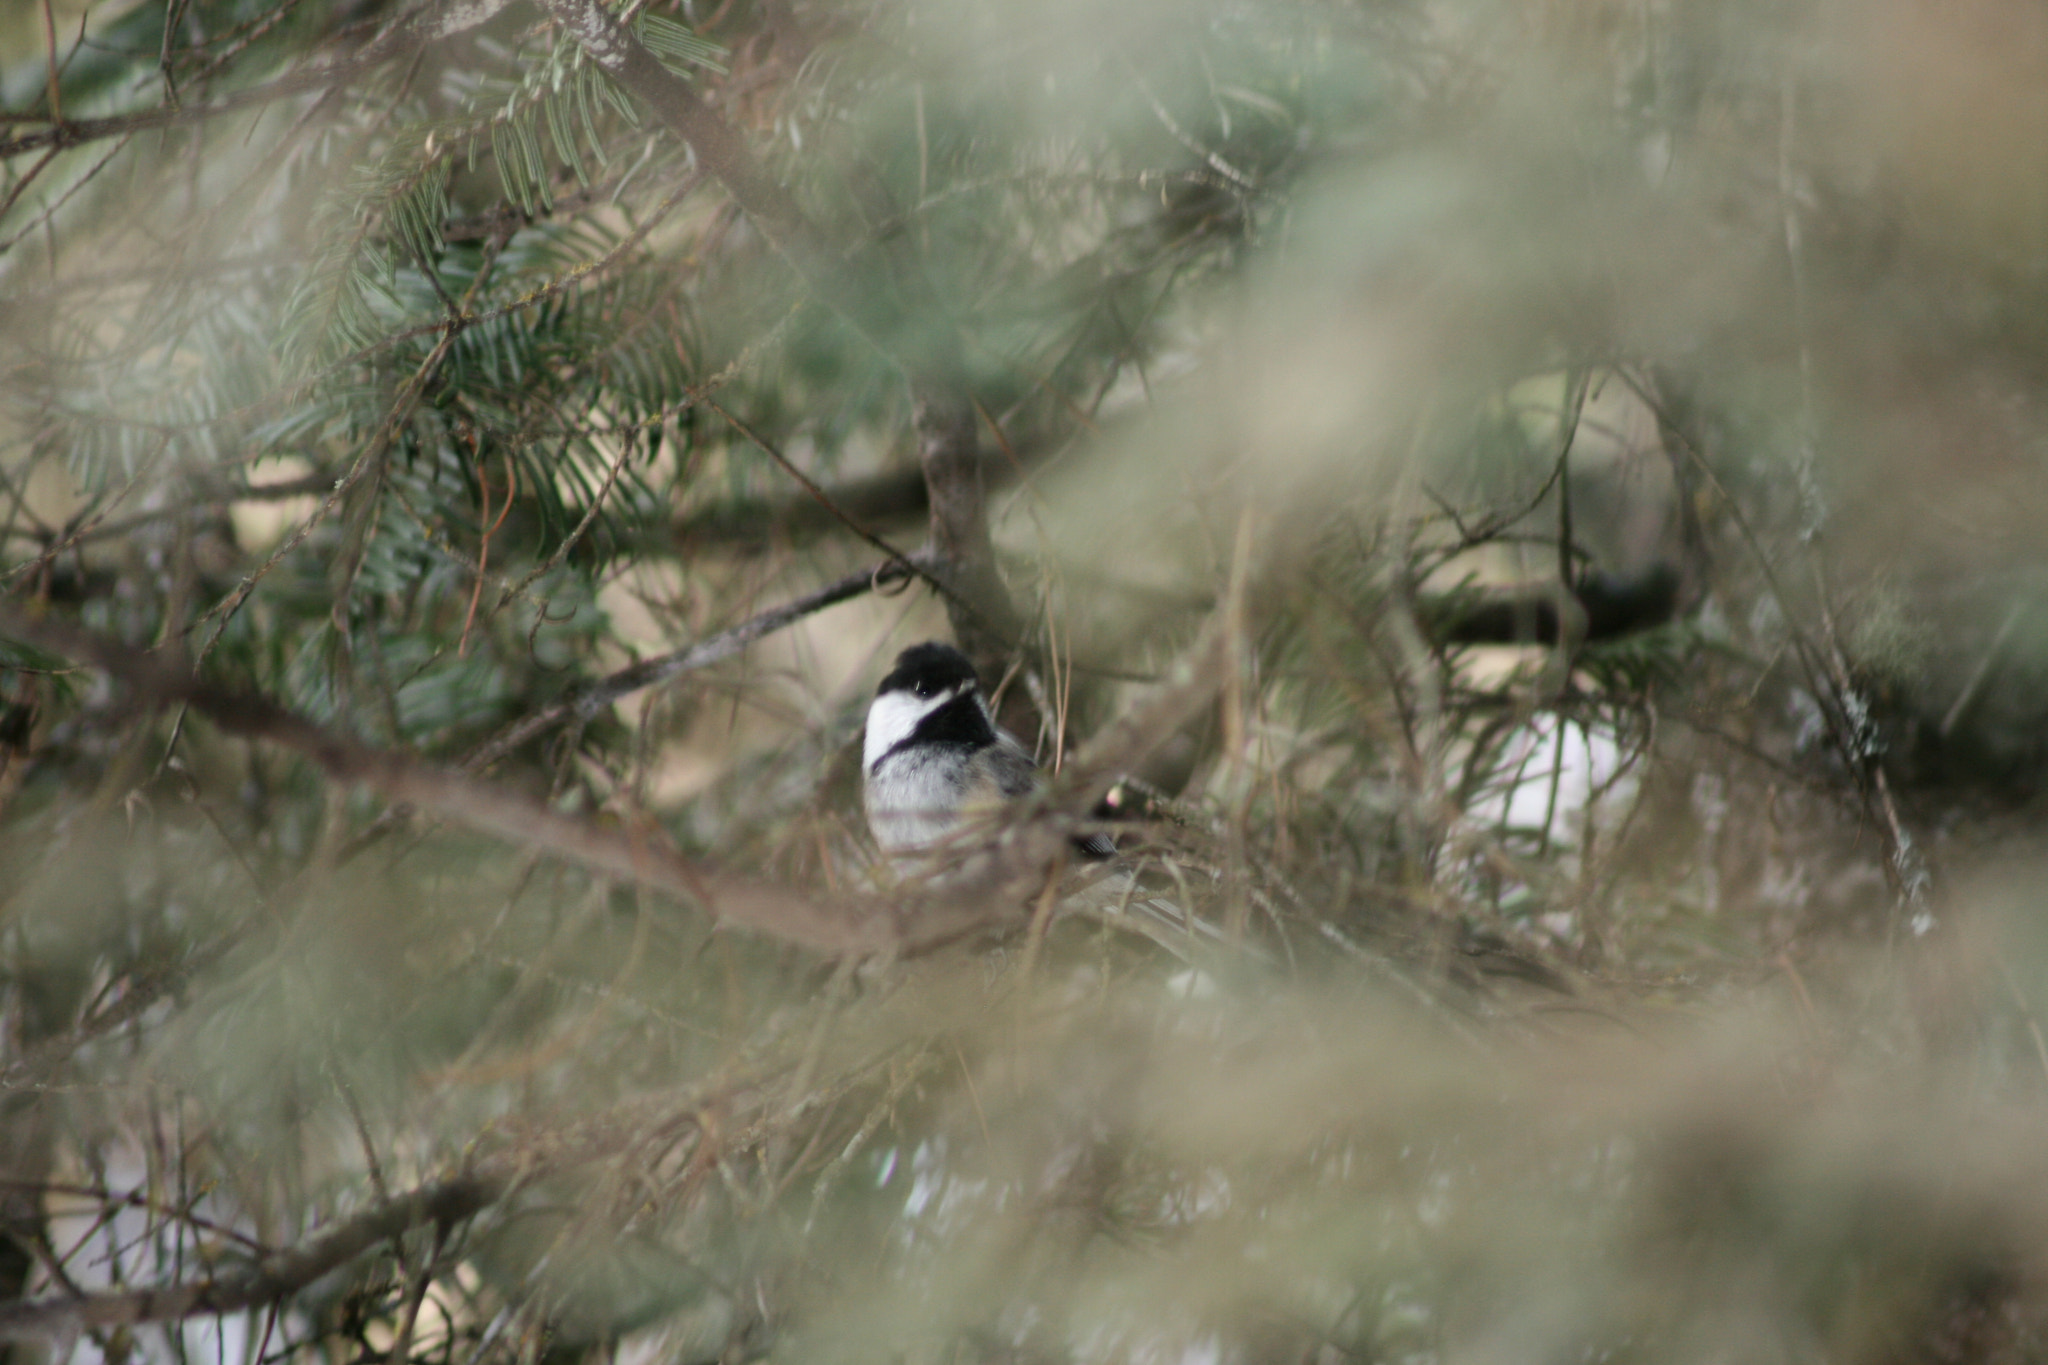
(935, 758)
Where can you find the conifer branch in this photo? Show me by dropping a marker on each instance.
(903, 319)
(432, 22)
(854, 926)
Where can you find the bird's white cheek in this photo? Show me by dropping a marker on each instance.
(890, 721)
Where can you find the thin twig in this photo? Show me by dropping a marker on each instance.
(270, 1279)
(1213, 160)
(28, 178)
(819, 495)
(589, 700)
(1975, 682)
(49, 211)
(420, 1277)
(50, 44)
(273, 1277)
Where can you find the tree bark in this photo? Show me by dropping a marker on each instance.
(948, 449)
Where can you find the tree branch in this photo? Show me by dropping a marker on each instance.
(948, 450)
(268, 1280)
(1189, 685)
(718, 147)
(844, 926)
(272, 1278)
(430, 23)
(984, 891)
(756, 524)
(887, 298)
(587, 701)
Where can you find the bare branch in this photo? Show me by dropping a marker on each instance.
(587, 701)
(948, 450)
(1189, 685)
(755, 524)
(266, 1281)
(270, 1279)
(810, 486)
(847, 925)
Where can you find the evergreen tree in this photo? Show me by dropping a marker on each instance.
(1517, 516)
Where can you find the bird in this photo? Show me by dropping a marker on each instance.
(934, 758)
(935, 761)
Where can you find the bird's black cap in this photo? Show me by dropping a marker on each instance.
(928, 669)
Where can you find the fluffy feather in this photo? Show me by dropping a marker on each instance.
(934, 757)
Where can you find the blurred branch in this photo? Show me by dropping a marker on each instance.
(585, 702)
(948, 450)
(754, 524)
(425, 24)
(269, 1280)
(847, 925)
(979, 895)
(817, 495)
(310, 485)
(748, 1100)
(718, 146)
(65, 134)
(1601, 606)
(35, 1061)
(1192, 681)
(27, 1152)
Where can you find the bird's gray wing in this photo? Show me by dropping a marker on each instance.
(1014, 773)
(1096, 844)
(1017, 775)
